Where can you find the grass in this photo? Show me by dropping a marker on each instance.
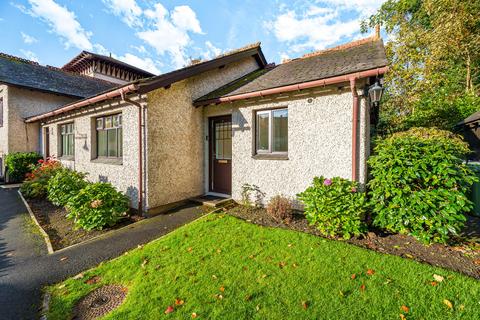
(225, 268)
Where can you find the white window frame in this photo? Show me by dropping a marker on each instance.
(270, 132)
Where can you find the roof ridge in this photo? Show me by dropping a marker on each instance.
(343, 46)
(241, 49)
(9, 56)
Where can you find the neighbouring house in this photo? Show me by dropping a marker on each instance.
(213, 126)
(470, 129)
(27, 89)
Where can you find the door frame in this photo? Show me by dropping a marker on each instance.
(211, 136)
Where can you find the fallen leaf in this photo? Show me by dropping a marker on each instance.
(61, 286)
(477, 262)
(402, 317)
(219, 250)
(282, 264)
(219, 296)
(294, 265)
(63, 258)
(214, 277)
(222, 288)
(189, 249)
(194, 315)
(179, 302)
(290, 245)
(144, 263)
(341, 293)
(140, 246)
(438, 278)
(264, 276)
(257, 307)
(93, 280)
(362, 287)
(448, 303)
(78, 276)
(370, 272)
(305, 305)
(169, 310)
(405, 308)
(353, 276)
(408, 256)
(433, 283)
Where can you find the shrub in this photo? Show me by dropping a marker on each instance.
(420, 184)
(19, 164)
(335, 206)
(64, 185)
(35, 185)
(97, 205)
(280, 208)
(247, 190)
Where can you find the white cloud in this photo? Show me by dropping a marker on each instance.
(140, 49)
(168, 33)
(146, 64)
(128, 10)
(29, 55)
(211, 51)
(321, 25)
(61, 22)
(28, 39)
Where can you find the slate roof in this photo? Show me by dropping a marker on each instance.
(79, 62)
(29, 74)
(349, 58)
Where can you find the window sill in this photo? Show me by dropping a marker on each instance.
(114, 161)
(67, 158)
(270, 156)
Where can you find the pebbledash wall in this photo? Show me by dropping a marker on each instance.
(122, 173)
(18, 104)
(176, 135)
(319, 141)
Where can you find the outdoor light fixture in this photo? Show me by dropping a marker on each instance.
(375, 93)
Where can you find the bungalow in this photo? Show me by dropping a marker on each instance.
(28, 89)
(213, 126)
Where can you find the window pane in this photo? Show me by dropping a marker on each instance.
(108, 122)
(102, 143)
(262, 131)
(280, 130)
(120, 142)
(71, 144)
(112, 143)
(64, 145)
(227, 149)
(100, 123)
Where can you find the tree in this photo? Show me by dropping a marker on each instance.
(434, 50)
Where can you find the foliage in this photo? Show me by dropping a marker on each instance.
(216, 262)
(35, 185)
(434, 76)
(280, 208)
(97, 205)
(247, 190)
(420, 184)
(335, 206)
(18, 164)
(65, 184)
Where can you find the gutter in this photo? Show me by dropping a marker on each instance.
(109, 95)
(295, 87)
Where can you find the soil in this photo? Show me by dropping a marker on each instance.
(62, 231)
(462, 255)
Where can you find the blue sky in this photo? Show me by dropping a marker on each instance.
(160, 35)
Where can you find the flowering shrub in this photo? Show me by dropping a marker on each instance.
(420, 184)
(97, 205)
(280, 208)
(19, 164)
(64, 185)
(35, 184)
(335, 206)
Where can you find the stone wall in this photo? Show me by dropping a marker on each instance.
(319, 142)
(122, 173)
(176, 134)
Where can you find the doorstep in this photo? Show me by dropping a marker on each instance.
(215, 201)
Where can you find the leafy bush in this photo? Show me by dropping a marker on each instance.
(97, 205)
(19, 164)
(280, 208)
(420, 184)
(335, 206)
(64, 185)
(35, 185)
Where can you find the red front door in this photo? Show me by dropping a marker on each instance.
(220, 158)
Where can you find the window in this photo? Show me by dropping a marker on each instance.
(109, 136)
(272, 131)
(1, 112)
(67, 137)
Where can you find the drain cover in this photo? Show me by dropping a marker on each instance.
(99, 302)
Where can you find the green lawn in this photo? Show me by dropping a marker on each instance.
(224, 268)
